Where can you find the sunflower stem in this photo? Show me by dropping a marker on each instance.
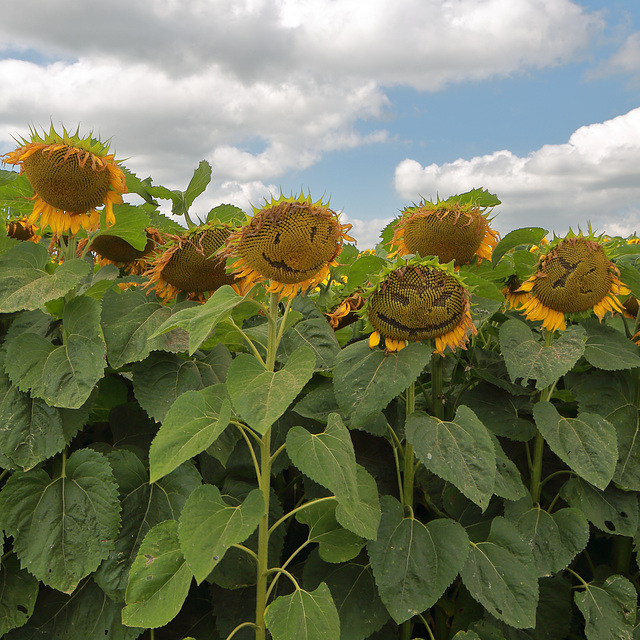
(265, 483)
(535, 486)
(436, 386)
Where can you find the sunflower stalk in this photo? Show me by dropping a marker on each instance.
(265, 478)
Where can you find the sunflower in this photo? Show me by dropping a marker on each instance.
(344, 314)
(574, 276)
(71, 176)
(449, 229)
(291, 241)
(22, 230)
(187, 263)
(112, 249)
(419, 301)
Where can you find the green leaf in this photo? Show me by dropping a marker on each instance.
(209, 526)
(88, 614)
(366, 380)
(327, 458)
(526, 236)
(612, 395)
(508, 479)
(611, 510)
(63, 376)
(460, 452)
(587, 444)
(304, 615)
(608, 349)
(316, 334)
(363, 518)
(555, 538)
(198, 183)
(362, 270)
(227, 214)
(527, 357)
(261, 397)
(18, 592)
(159, 579)
(500, 411)
(354, 593)
(500, 574)
(129, 320)
(130, 225)
(335, 544)
(414, 563)
(144, 505)
(192, 423)
(25, 283)
(162, 377)
(200, 321)
(609, 610)
(62, 528)
(30, 430)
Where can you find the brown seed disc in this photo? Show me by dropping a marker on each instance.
(290, 242)
(573, 277)
(60, 179)
(417, 303)
(118, 250)
(191, 267)
(449, 234)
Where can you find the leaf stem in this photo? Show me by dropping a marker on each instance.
(303, 506)
(256, 464)
(241, 626)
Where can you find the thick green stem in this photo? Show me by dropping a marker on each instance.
(535, 485)
(409, 458)
(622, 551)
(436, 386)
(265, 484)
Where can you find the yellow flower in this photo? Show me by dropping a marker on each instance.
(22, 230)
(291, 242)
(71, 177)
(187, 263)
(419, 302)
(344, 314)
(572, 277)
(446, 229)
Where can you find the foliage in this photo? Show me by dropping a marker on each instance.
(241, 469)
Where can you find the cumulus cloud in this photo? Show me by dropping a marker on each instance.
(257, 86)
(591, 178)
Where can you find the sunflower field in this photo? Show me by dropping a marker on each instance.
(219, 426)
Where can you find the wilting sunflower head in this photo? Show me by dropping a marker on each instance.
(573, 276)
(115, 250)
(450, 229)
(419, 301)
(187, 263)
(71, 177)
(290, 241)
(22, 230)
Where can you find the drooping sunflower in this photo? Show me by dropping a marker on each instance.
(112, 249)
(291, 241)
(71, 177)
(453, 229)
(345, 313)
(419, 300)
(22, 230)
(573, 276)
(187, 263)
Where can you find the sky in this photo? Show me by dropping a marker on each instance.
(375, 105)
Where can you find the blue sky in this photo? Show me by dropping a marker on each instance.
(375, 104)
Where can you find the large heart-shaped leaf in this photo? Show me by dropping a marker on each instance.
(261, 397)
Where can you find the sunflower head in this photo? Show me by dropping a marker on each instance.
(71, 177)
(454, 229)
(187, 263)
(291, 241)
(419, 300)
(22, 230)
(573, 276)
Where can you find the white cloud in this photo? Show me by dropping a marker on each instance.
(592, 178)
(178, 81)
